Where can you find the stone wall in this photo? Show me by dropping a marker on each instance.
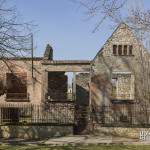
(82, 103)
(34, 132)
(82, 89)
(119, 131)
(106, 63)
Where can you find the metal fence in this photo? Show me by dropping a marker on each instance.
(54, 113)
(66, 113)
(124, 115)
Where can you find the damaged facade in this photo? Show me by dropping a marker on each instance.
(48, 82)
(113, 78)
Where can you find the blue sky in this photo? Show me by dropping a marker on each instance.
(63, 25)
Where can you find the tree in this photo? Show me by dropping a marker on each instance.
(15, 37)
(115, 11)
(103, 9)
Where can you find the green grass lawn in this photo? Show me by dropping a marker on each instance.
(100, 147)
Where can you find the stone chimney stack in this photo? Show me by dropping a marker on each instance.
(48, 55)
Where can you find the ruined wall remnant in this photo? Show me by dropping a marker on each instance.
(82, 88)
(48, 55)
(22, 66)
(82, 103)
(57, 86)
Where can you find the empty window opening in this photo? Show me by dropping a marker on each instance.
(16, 86)
(120, 50)
(125, 50)
(123, 86)
(130, 49)
(57, 86)
(60, 86)
(70, 86)
(115, 49)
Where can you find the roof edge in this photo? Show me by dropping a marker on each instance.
(48, 62)
(21, 58)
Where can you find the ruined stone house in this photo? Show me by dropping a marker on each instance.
(117, 75)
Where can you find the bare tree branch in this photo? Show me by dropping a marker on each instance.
(102, 9)
(15, 38)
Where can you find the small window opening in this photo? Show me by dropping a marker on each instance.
(120, 50)
(130, 49)
(115, 49)
(125, 50)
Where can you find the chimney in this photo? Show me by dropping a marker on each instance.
(48, 55)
